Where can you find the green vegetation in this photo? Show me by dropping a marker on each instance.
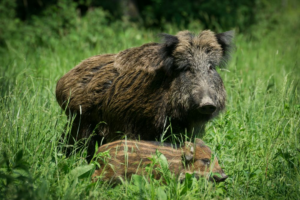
(257, 139)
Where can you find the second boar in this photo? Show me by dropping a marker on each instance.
(128, 157)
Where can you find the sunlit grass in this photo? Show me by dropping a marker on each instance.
(257, 139)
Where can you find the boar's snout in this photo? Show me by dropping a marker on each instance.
(207, 109)
(207, 106)
(217, 178)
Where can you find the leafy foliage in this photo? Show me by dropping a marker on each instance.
(38, 21)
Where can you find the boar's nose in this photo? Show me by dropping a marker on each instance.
(207, 106)
(207, 109)
(223, 177)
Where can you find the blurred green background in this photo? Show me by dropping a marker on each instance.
(38, 20)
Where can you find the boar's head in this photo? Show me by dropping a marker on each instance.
(197, 93)
(199, 162)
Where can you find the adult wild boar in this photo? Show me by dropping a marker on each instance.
(127, 157)
(136, 91)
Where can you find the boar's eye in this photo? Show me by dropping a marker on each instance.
(206, 161)
(186, 68)
(211, 67)
(208, 50)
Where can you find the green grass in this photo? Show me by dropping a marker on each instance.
(257, 138)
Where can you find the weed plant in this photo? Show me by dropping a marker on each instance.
(257, 138)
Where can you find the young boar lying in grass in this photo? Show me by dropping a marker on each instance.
(128, 157)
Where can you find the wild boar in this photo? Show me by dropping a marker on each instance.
(138, 91)
(128, 157)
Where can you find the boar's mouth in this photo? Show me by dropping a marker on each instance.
(213, 178)
(218, 178)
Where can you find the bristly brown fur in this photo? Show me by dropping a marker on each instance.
(137, 90)
(127, 157)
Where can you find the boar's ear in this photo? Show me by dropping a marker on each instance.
(225, 40)
(199, 142)
(188, 151)
(167, 47)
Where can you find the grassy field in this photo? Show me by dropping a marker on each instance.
(257, 138)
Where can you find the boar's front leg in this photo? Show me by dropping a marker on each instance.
(82, 133)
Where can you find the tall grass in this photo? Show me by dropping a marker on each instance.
(257, 139)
